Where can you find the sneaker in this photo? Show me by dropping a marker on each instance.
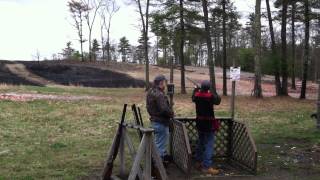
(211, 171)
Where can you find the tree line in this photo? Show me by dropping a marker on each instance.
(209, 33)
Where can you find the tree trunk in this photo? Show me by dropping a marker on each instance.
(165, 53)
(175, 54)
(306, 49)
(90, 45)
(218, 50)
(318, 107)
(200, 55)
(215, 42)
(81, 38)
(284, 65)
(145, 25)
(108, 41)
(274, 52)
(224, 48)
(181, 50)
(209, 46)
(102, 45)
(157, 50)
(293, 46)
(257, 56)
(146, 45)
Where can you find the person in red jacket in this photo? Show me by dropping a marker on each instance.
(206, 126)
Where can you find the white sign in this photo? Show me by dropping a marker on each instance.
(235, 73)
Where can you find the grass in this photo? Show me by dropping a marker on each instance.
(46, 139)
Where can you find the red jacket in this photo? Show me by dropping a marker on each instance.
(205, 101)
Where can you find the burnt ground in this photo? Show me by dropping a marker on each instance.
(7, 77)
(32, 73)
(113, 74)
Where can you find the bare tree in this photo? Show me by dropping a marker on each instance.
(110, 8)
(257, 47)
(145, 24)
(37, 56)
(274, 51)
(92, 7)
(77, 9)
(102, 27)
(209, 45)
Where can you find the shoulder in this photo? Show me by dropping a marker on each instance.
(155, 92)
(202, 94)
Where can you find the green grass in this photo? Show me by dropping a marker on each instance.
(72, 90)
(45, 139)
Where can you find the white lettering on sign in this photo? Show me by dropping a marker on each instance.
(235, 73)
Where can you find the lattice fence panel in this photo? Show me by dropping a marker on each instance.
(222, 137)
(243, 147)
(181, 150)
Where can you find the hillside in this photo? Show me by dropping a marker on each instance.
(57, 73)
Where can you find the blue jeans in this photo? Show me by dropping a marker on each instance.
(204, 150)
(161, 133)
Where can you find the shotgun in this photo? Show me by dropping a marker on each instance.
(137, 118)
(193, 82)
(107, 170)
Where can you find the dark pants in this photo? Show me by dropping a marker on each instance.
(204, 150)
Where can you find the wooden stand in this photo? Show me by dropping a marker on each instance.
(146, 153)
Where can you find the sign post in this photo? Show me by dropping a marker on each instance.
(234, 76)
(170, 89)
(318, 107)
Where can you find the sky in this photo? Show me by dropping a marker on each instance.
(45, 26)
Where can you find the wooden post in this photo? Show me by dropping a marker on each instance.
(318, 109)
(158, 162)
(136, 164)
(122, 155)
(147, 167)
(132, 151)
(233, 99)
(171, 100)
